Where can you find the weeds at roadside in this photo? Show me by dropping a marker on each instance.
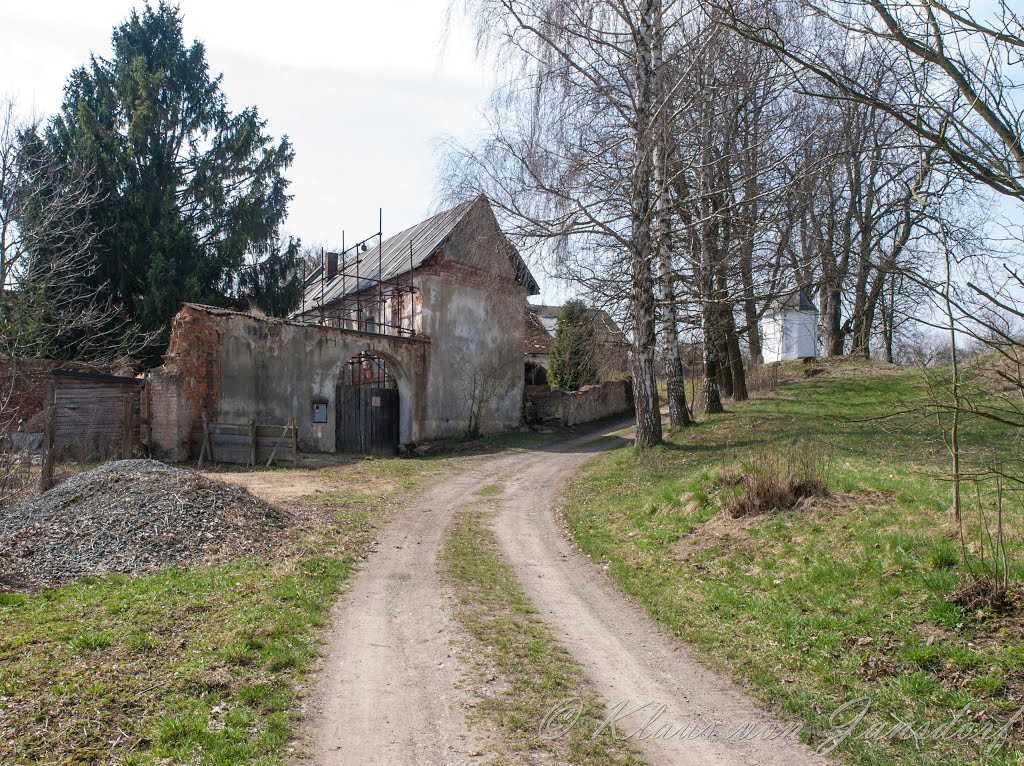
(849, 599)
(778, 477)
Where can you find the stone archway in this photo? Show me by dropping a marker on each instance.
(536, 374)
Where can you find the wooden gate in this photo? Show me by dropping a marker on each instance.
(367, 420)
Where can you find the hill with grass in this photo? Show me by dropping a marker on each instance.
(803, 543)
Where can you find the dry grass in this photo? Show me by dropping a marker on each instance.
(846, 596)
(763, 380)
(778, 478)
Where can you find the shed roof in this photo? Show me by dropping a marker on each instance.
(538, 336)
(96, 377)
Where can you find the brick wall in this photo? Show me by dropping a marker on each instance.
(193, 355)
(186, 384)
(169, 415)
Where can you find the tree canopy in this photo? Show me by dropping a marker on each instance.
(189, 196)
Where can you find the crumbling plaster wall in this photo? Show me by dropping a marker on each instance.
(238, 367)
(476, 325)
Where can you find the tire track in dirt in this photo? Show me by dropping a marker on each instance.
(387, 692)
(624, 653)
(387, 689)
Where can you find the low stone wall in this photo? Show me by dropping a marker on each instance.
(588, 404)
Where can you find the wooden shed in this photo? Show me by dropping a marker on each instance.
(94, 412)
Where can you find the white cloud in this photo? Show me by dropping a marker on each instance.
(363, 90)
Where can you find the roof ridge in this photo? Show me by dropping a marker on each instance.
(394, 256)
(429, 218)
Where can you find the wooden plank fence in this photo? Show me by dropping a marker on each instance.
(92, 413)
(248, 444)
(49, 431)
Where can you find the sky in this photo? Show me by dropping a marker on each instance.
(365, 91)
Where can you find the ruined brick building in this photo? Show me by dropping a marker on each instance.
(416, 337)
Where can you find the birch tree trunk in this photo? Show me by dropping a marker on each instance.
(679, 413)
(832, 319)
(755, 351)
(709, 327)
(641, 299)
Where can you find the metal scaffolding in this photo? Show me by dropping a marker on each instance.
(364, 299)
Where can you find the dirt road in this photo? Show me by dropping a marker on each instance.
(388, 693)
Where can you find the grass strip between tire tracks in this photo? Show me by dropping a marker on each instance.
(530, 695)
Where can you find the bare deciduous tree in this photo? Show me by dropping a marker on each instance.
(47, 308)
(571, 162)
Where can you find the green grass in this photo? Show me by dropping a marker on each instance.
(819, 607)
(197, 666)
(531, 698)
(203, 665)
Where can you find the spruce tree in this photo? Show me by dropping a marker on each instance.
(573, 350)
(189, 192)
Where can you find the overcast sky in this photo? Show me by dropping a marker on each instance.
(364, 90)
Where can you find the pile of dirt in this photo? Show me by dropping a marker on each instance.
(130, 516)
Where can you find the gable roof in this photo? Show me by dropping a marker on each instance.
(541, 322)
(538, 336)
(398, 255)
(547, 316)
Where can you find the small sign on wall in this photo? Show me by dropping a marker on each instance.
(319, 412)
(375, 401)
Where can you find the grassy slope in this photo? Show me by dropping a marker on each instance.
(198, 666)
(819, 608)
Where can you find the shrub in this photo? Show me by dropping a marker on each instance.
(778, 478)
(991, 587)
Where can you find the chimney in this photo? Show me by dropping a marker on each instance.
(332, 266)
